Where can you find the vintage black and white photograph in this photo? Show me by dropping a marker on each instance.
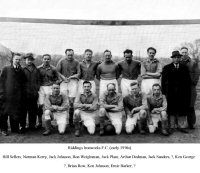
(112, 80)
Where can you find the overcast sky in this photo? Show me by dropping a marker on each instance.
(52, 38)
(101, 9)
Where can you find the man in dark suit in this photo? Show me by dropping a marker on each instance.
(12, 87)
(176, 88)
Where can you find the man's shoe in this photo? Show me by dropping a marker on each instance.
(171, 131)
(191, 127)
(164, 132)
(77, 133)
(22, 130)
(46, 133)
(38, 126)
(142, 132)
(4, 133)
(183, 130)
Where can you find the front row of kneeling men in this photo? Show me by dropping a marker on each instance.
(141, 110)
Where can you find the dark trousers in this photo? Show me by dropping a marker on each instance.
(15, 122)
(30, 110)
(39, 114)
(191, 117)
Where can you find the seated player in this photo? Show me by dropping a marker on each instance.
(135, 109)
(86, 105)
(48, 76)
(56, 106)
(111, 106)
(157, 106)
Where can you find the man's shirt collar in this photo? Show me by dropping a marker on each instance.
(157, 98)
(152, 60)
(85, 94)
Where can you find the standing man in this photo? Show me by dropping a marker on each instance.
(56, 105)
(130, 70)
(194, 75)
(12, 90)
(86, 105)
(135, 108)
(176, 88)
(88, 69)
(111, 106)
(107, 72)
(151, 70)
(48, 76)
(70, 69)
(157, 107)
(32, 87)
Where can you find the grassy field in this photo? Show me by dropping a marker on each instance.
(36, 137)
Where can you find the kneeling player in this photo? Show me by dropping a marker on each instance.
(111, 107)
(157, 105)
(86, 105)
(56, 106)
(135, 109)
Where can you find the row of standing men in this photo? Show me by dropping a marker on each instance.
(23, 89)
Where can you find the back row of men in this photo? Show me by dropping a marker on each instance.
(23, 89)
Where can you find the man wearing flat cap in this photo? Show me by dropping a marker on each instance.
(32, 87)
(176, 88)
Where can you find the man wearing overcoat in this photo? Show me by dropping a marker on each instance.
(12, 90)
(176, 88)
